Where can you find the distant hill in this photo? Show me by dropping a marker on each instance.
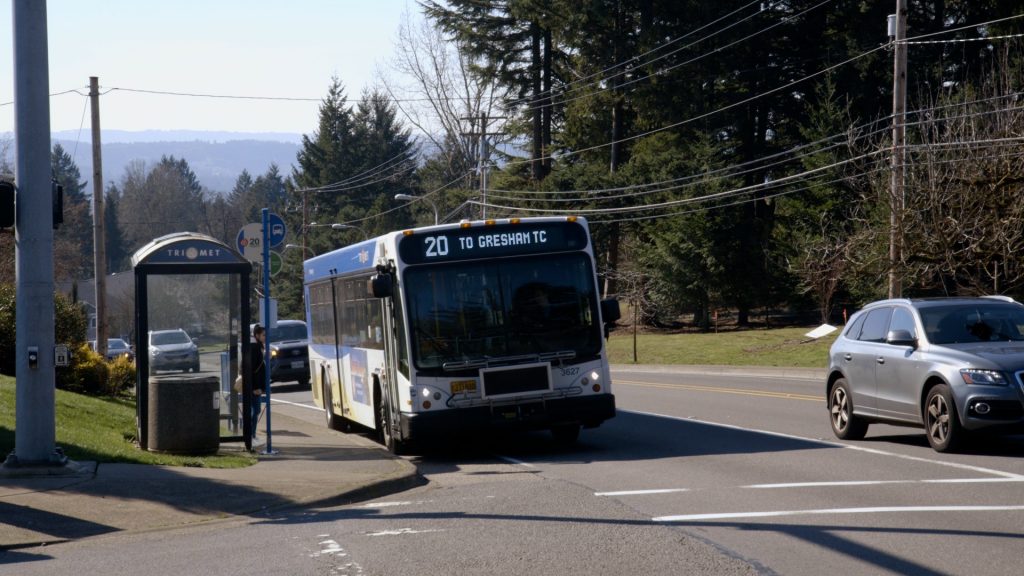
(217, 158)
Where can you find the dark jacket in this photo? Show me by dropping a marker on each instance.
(259, 369)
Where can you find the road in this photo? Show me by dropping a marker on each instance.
(750, 466)
(697, 474)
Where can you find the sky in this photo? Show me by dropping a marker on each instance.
(256, 48)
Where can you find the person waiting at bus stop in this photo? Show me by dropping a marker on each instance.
(258, 373)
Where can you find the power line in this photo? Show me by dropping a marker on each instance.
(664, 71)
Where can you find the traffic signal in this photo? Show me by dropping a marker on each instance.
(6, 204)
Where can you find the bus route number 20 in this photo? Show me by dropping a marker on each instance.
(436, 246)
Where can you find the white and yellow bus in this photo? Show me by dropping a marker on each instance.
(461, 327)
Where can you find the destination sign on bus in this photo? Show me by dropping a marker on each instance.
(492, 241)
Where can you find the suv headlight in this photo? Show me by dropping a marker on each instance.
(983, 377)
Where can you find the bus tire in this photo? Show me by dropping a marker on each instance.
(334, 422)
(385, 432)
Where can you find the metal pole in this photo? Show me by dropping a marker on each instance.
(35, 411)
(899, 113)
(99, 248)
(266, 317)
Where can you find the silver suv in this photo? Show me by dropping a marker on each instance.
(172, 350)
(950, 365)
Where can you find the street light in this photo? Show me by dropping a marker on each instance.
(349, 226)
(337, 226)
(290, 246)
(412, 198)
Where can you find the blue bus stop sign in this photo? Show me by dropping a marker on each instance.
(277, 230)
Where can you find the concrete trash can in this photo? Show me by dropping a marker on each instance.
(184, 414)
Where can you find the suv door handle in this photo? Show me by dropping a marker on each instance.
(880, 360)
(848, 357)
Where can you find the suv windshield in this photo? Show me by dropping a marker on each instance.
(172, 337)
(467, 312)
(116, 344)
(288, 332)
(978, 322)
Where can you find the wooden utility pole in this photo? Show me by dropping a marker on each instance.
(483, 153)
(99, 235)
(899, 117)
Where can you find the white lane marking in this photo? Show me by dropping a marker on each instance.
(876, 482)
(977, 469)
(642, 492)
(876, 510)
(300, 405)
(823, 484)
(330, 547)
(387, 504)
(401, 532)
(516, 462)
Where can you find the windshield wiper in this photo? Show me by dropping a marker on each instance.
(487, 361)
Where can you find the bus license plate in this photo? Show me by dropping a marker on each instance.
(298, 365)
(460, 386)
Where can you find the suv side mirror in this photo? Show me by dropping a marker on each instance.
(901, 338)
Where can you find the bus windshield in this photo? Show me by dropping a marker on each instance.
(469, 313)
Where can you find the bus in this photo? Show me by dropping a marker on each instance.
(452, 329)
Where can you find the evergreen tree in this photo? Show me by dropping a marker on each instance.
(73, 240)
(166, 199)
(117, 254)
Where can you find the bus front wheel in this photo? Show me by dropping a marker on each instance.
(386, 431)
(334, 422)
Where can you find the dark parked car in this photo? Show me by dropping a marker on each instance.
(172, 350)
(949, 365)
(116, 348)
(289, 352)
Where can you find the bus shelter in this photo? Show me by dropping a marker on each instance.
(192, 315)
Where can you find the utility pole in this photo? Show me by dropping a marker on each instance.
(898, 32)
(98, 221)
(483, 153)
(35, 407)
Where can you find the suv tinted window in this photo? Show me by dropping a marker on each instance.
(853, 332)
(903, 319)
(976, 322)
(875, 325)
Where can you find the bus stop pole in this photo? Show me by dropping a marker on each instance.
(266, 320)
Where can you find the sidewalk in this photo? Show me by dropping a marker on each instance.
(313, 466)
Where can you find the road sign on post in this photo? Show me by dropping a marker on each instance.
(277, 230)
(250, 242)
(276, 263)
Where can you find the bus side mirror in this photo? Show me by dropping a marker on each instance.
(610, 310)
(381, 285)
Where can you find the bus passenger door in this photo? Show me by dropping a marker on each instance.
(389, 386)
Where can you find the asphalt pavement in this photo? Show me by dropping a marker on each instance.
(312, 466)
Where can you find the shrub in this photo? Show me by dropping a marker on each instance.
(122, 376)
(88, 373)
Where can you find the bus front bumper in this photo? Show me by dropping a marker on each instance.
(587, 411)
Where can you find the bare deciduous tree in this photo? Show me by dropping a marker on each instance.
(965, 193)
(439, 93)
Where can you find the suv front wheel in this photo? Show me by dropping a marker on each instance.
(941, 422)
(845, 425)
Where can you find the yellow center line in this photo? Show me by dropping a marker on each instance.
(739, 391)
